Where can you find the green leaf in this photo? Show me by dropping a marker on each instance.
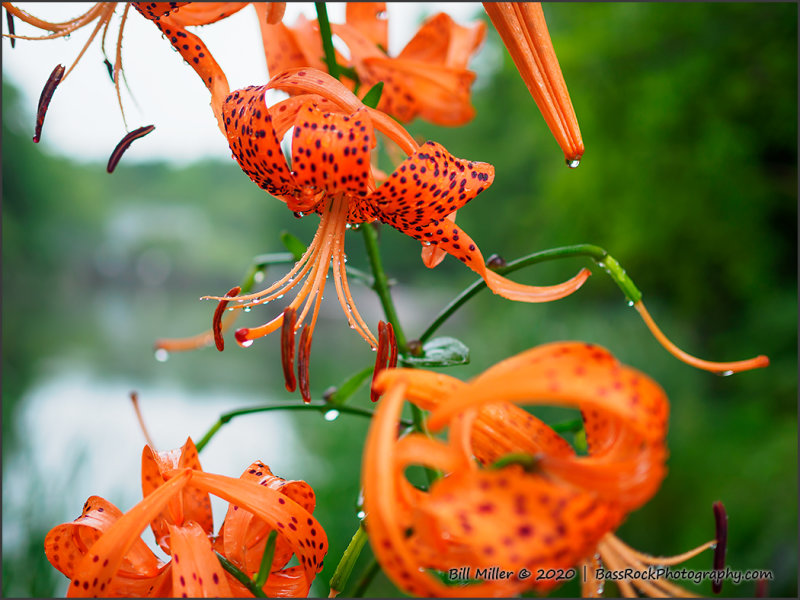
(293, 244)
(349, 387)
(439, 352)
(373, 96)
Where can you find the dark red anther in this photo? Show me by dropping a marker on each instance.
(721, 524)
(10, 21)
(124, 143)
(303, 351)
(216, 322)
(392, 347)
(380, 357)
(287, 348)
(495, 261)
(44, 100)
(241, 335)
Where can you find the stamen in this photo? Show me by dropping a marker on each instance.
(380, 358)
(124, 143)
(721, 523)
(135, 401)
(721, 368)
(287, 348)
(44, 100)
(216, 322)
(304, 350)
(10, 21)
(110, 68)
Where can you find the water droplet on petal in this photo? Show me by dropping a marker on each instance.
(332, 415)
(162, 355)
(248, 308)
(348, 226)
(726, 373)
(361, 514)
(573, 163)
(246, 343)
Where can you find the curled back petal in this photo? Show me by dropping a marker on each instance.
(289, 48)
(251, 136)
(205, 13)
(440, 40)
(190, 505)
(196, 571)
(303, 532)
(98, 568)
(67, 543)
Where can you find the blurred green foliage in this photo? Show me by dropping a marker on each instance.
(689, 116)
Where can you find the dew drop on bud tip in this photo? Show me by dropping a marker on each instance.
(161, 355)
(573, 163)
(246, 343)
(332, 415)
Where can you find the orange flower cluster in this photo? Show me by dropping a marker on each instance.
(103, 554)
(514, 493)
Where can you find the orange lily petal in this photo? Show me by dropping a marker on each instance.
(440, 40)
(98, 568)
(196, 571)
(190, 505)
(369, 18)
(205, 13)
(66, 544)
(303, 532)
(332, 151)
(523, 29)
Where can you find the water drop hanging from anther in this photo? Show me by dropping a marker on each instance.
(162, 355)
(246, 343)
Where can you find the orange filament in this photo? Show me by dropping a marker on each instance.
(721, 368)
(135, 401)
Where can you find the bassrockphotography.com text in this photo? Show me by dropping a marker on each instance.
(652, 573)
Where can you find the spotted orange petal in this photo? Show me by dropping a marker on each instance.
(191, 505)
(205, 13)
(98, 568)
(440, 40)
(196, 571)
(248, 125)
(332, 151)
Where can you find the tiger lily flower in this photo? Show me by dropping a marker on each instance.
(514, 492)
(428, 78)
(103, 554)
(522, 27)
(331, 176)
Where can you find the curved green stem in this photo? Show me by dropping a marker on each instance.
(240, 576)
(381, 284)
(348, 560)
(323, 408)
(596, 253)
(366, 579)
(327, 41)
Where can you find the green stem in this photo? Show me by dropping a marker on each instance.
(596, 253)
(366, 579)
(240, 576)
(348, 560)
(323, 408)
(327, 39)
(266, 561)
(381, 285)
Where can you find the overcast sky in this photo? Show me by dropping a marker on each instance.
(84, 119)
